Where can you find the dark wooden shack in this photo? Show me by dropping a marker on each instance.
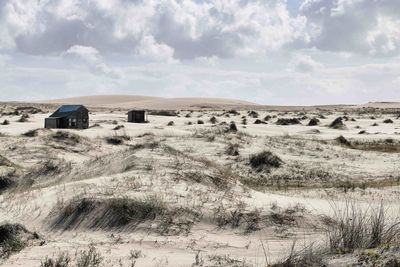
(69, 117)
(137, 116)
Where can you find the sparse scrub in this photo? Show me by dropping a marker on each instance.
(249, 221)
(168, 113)
(253, 114)
(233, 112)
(5, 122)
(117, 139)
(232, 149)
(387, 145)
(258, 121)
(171, 123)
(62, 259)
(118, 127)
(89, 258)
(307, 256)
(23, 118)
(267, 118)
(66, 137)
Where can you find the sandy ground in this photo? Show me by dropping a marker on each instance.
(158, 160)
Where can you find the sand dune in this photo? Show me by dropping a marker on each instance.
(133, 101)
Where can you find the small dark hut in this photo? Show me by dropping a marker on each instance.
(69, 117)
(137, 116)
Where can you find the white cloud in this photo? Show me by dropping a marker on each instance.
(87, 53)
(304, 63)
(173, 28)
(149, 48)
(366, 27)
(92, 57)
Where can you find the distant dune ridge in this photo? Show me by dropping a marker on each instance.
(382, 105)
(153, 102)
(134, 101)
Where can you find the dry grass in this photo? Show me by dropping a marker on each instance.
(355, 227)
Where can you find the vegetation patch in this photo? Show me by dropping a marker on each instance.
(66, 138)
(386, 145)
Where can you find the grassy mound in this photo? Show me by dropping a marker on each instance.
(14, 238)
(124, 214)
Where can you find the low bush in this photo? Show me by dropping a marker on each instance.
(23, 118)
(117, 139)
(313, 122)
(338, 124)
(118, 127)
(285, 121)
(213, 120)
(265, 160)
(232, 127)
(89, 258)
(232, 149)
(31, 133)
(253, 114)
(67, 137)
(343, 141)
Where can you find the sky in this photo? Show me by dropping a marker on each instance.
(280, 52)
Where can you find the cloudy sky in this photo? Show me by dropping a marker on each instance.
(265, 51)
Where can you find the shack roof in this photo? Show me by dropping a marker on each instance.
(66, 110)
